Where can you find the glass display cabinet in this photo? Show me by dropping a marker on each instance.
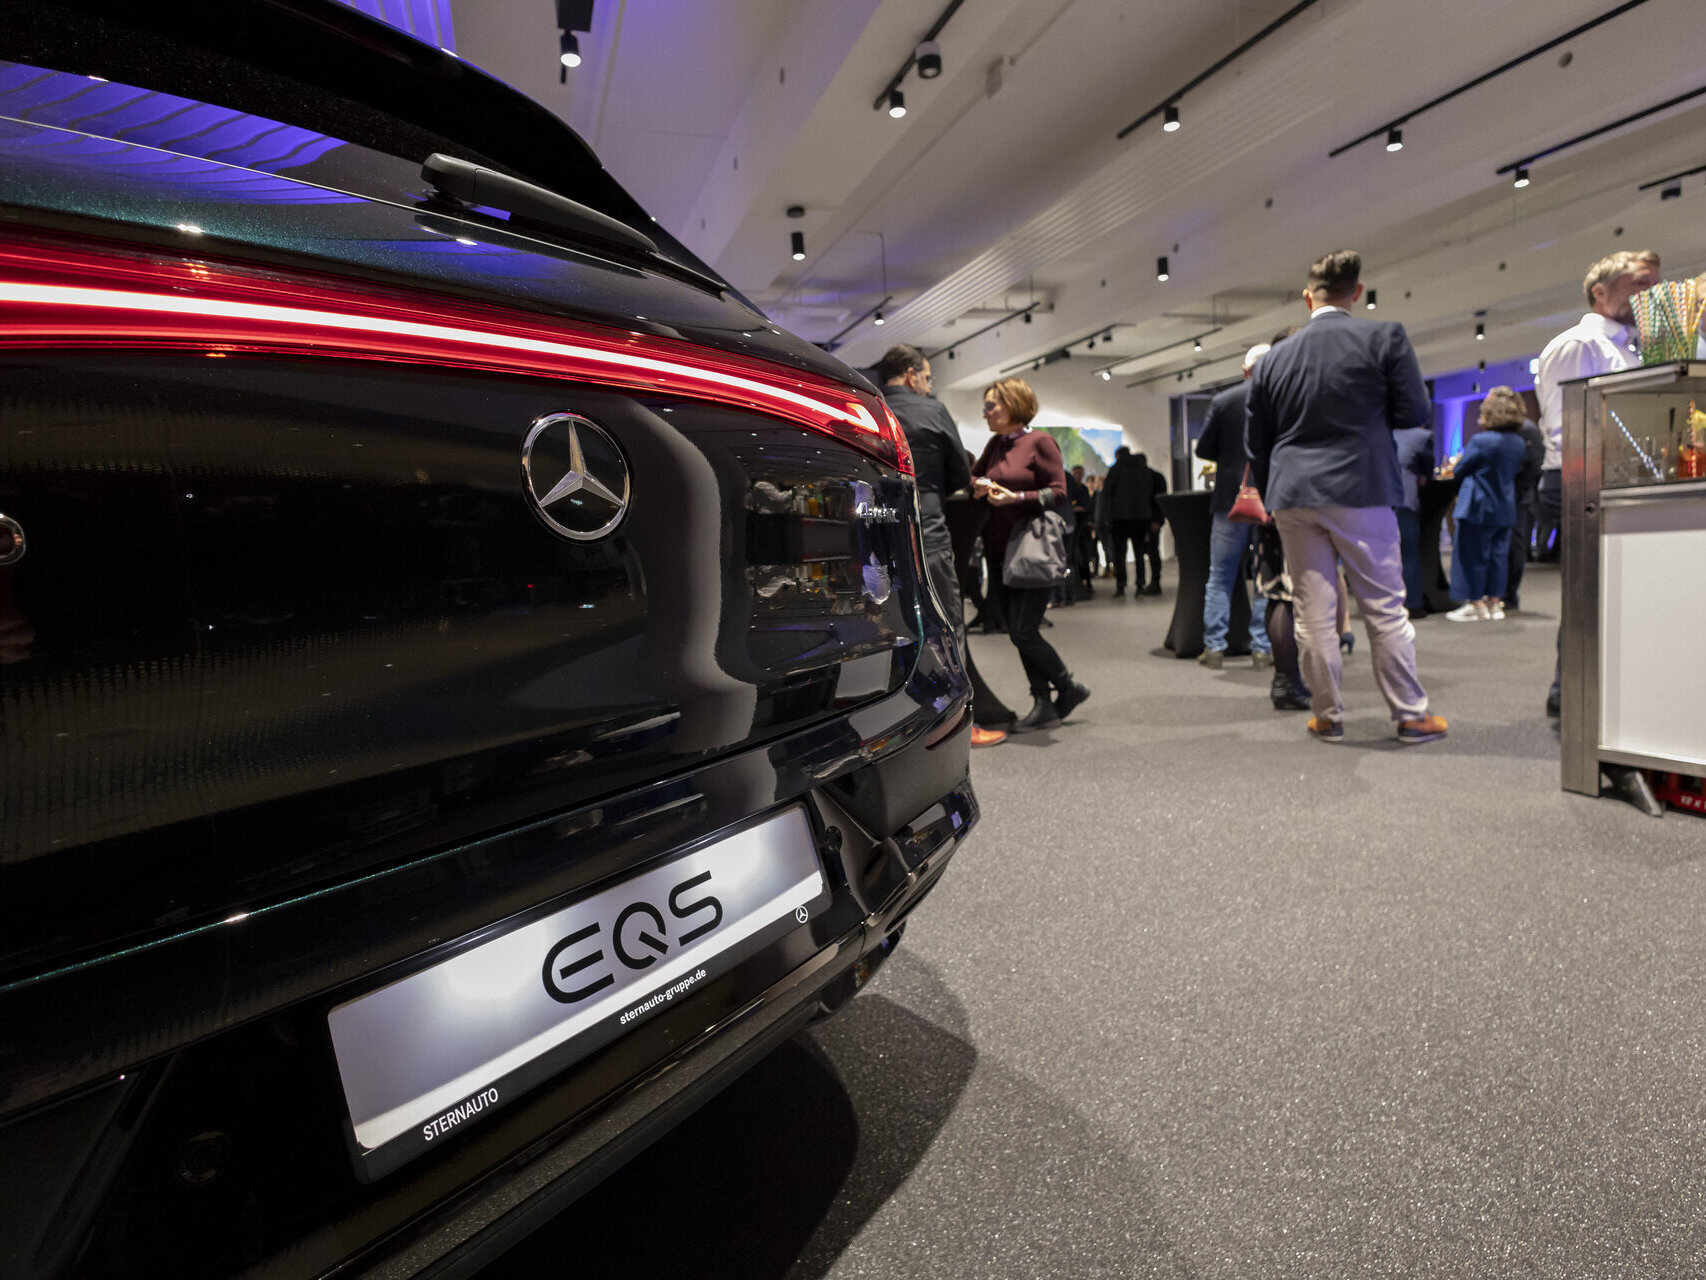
(1634, 561)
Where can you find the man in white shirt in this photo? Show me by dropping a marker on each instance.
(1602, 341)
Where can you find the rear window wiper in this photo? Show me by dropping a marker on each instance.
(461, 183)
(476, 185)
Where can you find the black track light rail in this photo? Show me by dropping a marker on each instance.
(858, 320)
(1065, 349)
(993, 324)
(1659, 182)
(1176, 373)
(1380, 130)
(882, 99)
(1580, 138)
(1155, 351)
(1172, 99)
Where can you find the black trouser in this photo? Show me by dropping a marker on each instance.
(1151, 547)
(1025, 609)
(1549, 503)
(1522, 532)
(939, 558)
(1124, 532)
(1084, 551)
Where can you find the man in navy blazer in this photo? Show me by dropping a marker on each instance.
(1318, 426)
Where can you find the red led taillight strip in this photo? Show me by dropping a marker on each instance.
(58, 297)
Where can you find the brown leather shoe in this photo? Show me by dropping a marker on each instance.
(1426, 729)
(1326, 730)
(986, 737)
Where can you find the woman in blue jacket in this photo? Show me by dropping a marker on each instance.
(1486, 509)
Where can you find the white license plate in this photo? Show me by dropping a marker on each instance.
(439, 1050)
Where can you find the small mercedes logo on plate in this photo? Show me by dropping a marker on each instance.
(575, 476)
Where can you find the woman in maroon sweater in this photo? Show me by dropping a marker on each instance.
(1020, 475)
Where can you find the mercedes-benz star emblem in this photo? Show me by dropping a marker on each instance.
(575, 475)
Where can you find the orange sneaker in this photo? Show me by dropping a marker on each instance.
(1426, 729)
(1326, 730)
(986, 737)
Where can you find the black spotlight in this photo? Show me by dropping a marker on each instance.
(950, 353)
(928, 56)
(1161, 272)
(1521, 178)
(1394, 139)
(1027, 317)
(1170, 119)
(1196, 345)
(878, 318)
(797, 240)
(1671, 193)
(1370, 304)
(1480, 333)
(897, 104)
(570, 45)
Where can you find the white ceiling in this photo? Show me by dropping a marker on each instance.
(1005, 182)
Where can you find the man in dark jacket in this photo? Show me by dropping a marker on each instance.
(1222, 443)
(938, 461)
(940, 467)
(1130, 507)
(1322, 409)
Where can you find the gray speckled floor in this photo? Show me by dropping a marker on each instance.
(1205, 998)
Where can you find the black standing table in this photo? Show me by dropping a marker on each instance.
(1437, 497)
(1189, 517)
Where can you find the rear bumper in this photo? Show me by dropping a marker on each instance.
(516, 1200)
(123, 1068)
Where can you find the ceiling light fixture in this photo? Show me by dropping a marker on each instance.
(1170, 119)
(1197, 345)
(1172, 99)
(1394, 139)
(925, 57)
(1480, 332)
(1161, 272)
(1521, 179)
(877, 319)
(1497, 71)
(897, 104)
(1671, 193)
(1106, 376)
(797, 241)
(570, 45)
(1370, 304)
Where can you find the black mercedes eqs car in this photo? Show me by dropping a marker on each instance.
(468, 686)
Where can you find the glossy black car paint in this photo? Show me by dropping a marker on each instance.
(300, 696)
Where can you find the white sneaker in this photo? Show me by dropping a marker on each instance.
(1472, 611)
(1495, 611)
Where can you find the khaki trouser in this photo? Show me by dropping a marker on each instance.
(1365, 540)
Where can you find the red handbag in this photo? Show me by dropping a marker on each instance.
(1248, 508)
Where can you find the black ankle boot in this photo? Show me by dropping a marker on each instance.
(1071, 696)
(1042, 715)
(1287, 696)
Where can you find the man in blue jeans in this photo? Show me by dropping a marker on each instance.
(1222, 443)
